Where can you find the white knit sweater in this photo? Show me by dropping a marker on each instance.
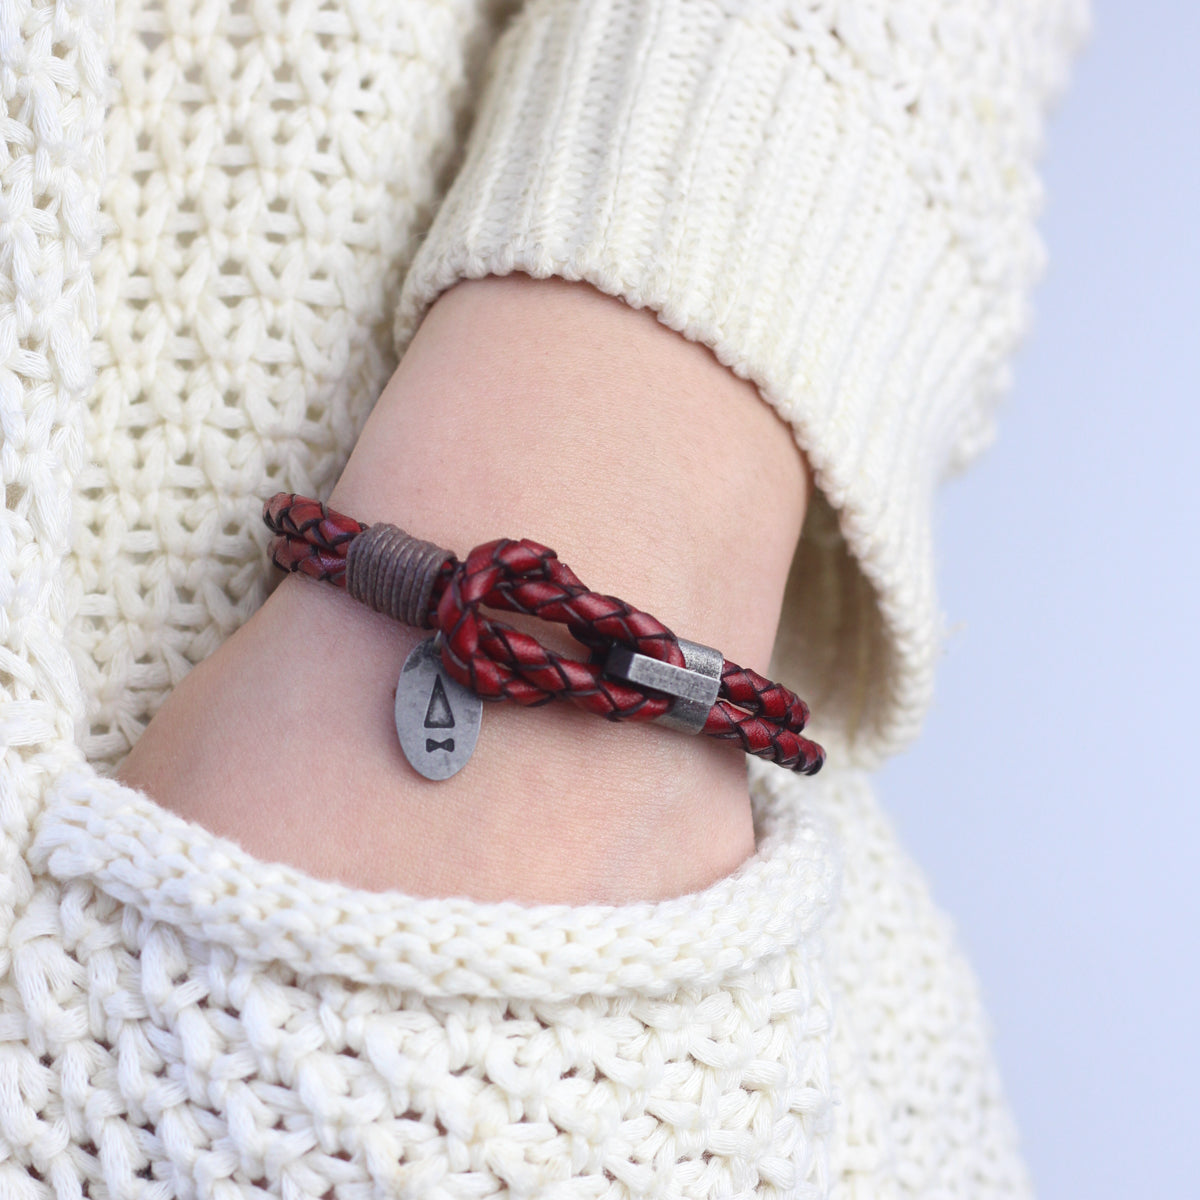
(220, 221)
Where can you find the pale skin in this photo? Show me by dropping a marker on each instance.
(522, 408)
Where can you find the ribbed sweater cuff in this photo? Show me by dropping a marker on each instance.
(759, 200)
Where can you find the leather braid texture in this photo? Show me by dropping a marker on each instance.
(498, 662)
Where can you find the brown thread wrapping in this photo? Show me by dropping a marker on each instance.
(393, 572)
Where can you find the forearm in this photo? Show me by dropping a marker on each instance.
(522, 408)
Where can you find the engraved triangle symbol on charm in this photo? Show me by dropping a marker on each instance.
(429, 702)
(439, 715)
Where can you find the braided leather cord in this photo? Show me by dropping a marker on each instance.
(498, 662)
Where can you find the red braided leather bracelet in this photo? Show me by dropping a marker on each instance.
(638, 670)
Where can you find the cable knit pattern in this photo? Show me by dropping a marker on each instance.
(268, 168)
(837, 197)
(51, 159)
(219, 1026)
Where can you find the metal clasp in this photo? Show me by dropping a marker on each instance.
(693, 688)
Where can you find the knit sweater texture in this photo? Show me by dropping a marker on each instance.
(220, 223)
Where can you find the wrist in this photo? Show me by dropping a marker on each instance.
(522, 408)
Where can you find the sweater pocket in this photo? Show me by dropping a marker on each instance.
(243, 1028)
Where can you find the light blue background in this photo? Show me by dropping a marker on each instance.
(1052, 798)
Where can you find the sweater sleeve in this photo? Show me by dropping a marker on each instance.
(839, 200)
(51, 171)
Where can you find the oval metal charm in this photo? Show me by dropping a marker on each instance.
(436, 717)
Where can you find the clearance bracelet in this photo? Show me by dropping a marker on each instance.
(638, 669)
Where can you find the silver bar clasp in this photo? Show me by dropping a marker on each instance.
(693, 688)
